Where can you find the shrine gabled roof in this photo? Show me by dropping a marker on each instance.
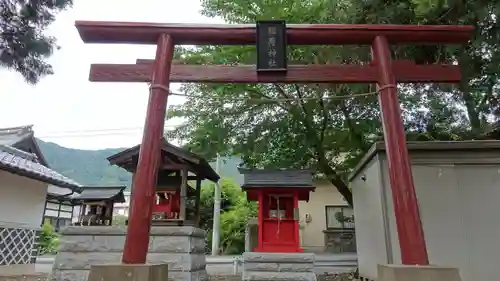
(276, 178)
(25, 164)
(128, 159)
(95, 193)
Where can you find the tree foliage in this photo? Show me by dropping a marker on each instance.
(120, 220)
(330, 133)
(49, 240)
(23, 45)
(235, 212)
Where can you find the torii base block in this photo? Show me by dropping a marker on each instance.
(129, 272)
(396, 272)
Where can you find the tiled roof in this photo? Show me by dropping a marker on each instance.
(11, 136)
(25, 164)
(101, 193)
(18, 137)
(200, 166)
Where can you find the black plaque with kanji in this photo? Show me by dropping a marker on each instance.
(271, 46)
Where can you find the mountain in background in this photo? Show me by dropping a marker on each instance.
(90, 167)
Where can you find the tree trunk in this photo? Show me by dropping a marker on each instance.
(337, 182)
(344, 190)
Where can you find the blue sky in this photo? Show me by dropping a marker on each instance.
(68, 109)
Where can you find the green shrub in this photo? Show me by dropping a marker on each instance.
(235, 213)
(49, 240)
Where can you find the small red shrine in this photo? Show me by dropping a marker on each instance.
(278, 192)
(174, 201)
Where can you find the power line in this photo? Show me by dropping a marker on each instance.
(123, 131)
(285, 99)
(97, 132)
(104, 130)
(87, 135)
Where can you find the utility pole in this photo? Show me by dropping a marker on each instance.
(216, 225)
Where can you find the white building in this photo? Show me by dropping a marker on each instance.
(24, 188)
(457, 187)
(122, 209)
(58, 208)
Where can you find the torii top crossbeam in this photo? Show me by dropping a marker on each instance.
(297, 34)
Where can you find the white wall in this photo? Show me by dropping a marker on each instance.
(372, 241)
(122, 208)
(52, 189)
(459, 212)
(312, 236)
(76, 213)
(22, 200)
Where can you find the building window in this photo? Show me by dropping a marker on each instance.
(339, 217)
(58, 223)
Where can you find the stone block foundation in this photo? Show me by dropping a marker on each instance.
(181, 247)
(278, 267)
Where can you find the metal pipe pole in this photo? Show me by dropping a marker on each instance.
(216, 223)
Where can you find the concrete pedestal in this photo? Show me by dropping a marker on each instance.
(181, 247)
(278, 267)
(417, 273)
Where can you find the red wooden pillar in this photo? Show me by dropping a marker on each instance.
(260, 223)
(409, 226)
(144, 183)
(296, 226)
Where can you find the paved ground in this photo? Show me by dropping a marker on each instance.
(223, 265)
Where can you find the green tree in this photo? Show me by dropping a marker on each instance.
(331, 132)
(478, 92)
(119, 220)
(23, 46)
(235, 212)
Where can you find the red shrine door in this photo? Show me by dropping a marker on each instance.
(279, 227)
(167, 203)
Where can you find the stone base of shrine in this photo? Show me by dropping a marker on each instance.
(181, 247)
(394, 272)
(278, 267)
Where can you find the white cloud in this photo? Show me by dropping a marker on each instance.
(67, 101)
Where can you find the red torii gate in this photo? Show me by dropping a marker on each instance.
(382, 71)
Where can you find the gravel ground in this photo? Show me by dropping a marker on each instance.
(322, 277)
(31, 277)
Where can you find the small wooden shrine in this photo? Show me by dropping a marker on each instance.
(96, 204)
(278, 192)
(176, 202)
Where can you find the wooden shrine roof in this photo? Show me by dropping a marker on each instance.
(128, 159)
(284, 178)
(96, 193)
